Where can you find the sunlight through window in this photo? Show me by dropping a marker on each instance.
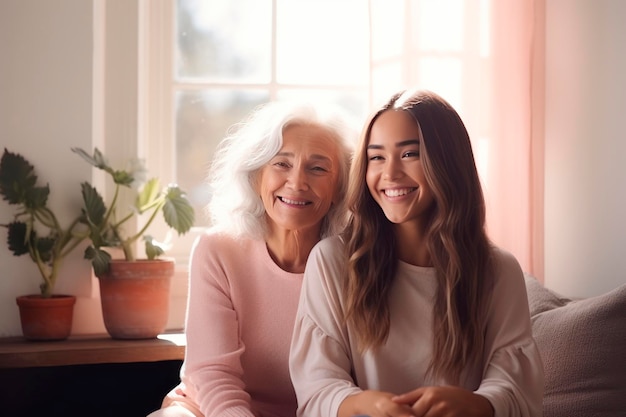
(231, 56)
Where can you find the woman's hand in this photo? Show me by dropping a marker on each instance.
(373, 404)
(445, 402)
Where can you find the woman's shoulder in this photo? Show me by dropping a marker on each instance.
(216, 240)
(325, 271)
(331, 243)
(329, 249)
(505, 261)
(328, 259)
(508, 273)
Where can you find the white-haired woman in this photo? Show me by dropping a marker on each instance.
(278, 183)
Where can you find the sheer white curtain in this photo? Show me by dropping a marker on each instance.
(485, 57)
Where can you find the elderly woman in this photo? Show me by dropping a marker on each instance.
(278, 184)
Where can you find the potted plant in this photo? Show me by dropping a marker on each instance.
(36, 231)
(134, 292)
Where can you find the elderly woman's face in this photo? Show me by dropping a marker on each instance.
(299, 183)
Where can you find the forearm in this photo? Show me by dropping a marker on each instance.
(372, 403)
(351, 406)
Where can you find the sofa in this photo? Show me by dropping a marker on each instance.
(582, 343)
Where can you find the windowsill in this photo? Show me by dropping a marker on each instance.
(16, 352)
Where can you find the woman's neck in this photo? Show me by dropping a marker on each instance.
(290, 248)
(411, 244)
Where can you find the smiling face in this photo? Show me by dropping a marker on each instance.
(299, 184)
(395, 175)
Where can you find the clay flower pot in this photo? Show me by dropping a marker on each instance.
(135, 297)
(46, 319)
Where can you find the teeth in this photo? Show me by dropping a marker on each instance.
(397, 193)
(288, 201)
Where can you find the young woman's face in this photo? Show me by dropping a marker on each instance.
(299, 184)
(395, 175)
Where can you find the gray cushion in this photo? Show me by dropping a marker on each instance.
(583, 347)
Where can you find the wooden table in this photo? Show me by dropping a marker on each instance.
(16, 352)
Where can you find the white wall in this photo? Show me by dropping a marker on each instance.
(46, 50)
(46, 75)
(585, 154)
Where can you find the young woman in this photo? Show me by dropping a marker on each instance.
(278, 185)
(413, 312)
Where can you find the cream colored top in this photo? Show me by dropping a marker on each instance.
(326, 367)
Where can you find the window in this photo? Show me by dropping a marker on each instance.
(208, 63)
(204, 64)
(440, 45)
(221, 59)
(230, 57)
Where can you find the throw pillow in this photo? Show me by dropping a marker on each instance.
(583, 346)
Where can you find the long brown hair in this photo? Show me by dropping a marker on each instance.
(456, 239)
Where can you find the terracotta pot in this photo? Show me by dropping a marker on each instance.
(135, 298)
(46, 318)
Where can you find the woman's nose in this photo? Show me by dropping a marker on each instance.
(297, 179)
(391, 169)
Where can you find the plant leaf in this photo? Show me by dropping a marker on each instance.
(16, 238)
(177, 211)
(153, 249)
(100, 260)
(17, 177)
(97, 160)
(94, 208)
(123, 178)
(36, 197)
(148, 195)
(44, 246)
(94, 211)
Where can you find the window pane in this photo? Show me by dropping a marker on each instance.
(202, 119)
(439, 25)
(354, 103)
(443, 76)
(387, 29)
(386, 80)
(223, 40)
(322, 42)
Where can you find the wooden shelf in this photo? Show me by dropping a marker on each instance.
(16, 352)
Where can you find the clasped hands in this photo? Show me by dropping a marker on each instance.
(441, 401)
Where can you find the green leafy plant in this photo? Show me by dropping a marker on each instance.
(35, 229)
(106, 224)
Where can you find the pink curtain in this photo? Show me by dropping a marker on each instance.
(488, 56)
(515, 183)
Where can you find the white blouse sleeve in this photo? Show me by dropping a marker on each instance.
(513, 375)
(320, 354)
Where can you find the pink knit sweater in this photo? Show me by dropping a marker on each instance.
(240, 320)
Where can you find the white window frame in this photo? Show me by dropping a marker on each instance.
(129, 108)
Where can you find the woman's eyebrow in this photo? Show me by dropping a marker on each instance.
(314, 156)
(320, 157)
(407, 143)
(398, 145)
